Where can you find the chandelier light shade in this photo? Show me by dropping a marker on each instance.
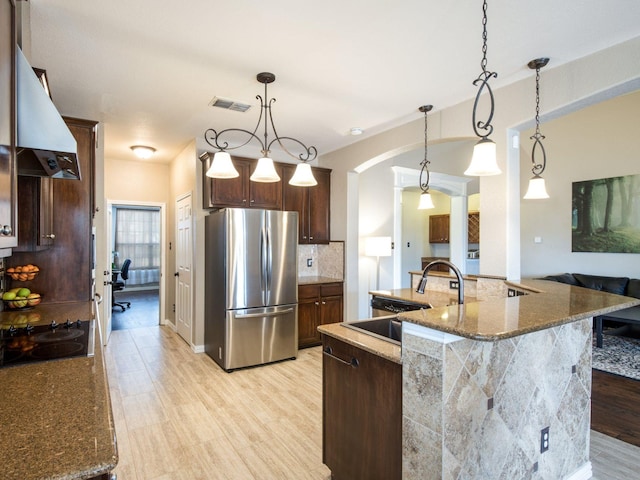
(537, 189)
(142, 151)
(303, 176)
(222, 166)
(265, 171)
(483, 161)
(425, 196)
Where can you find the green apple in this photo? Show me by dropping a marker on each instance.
(8, 295)
(23, 292)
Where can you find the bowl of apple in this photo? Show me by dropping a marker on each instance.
(20, 299)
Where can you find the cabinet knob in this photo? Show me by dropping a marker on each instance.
(6, 230)
(50, 235)
(317, 303)
(310, 238)
(324, 303)
(244, 200)
(252, 201)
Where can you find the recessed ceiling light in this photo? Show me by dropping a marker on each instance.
(356, 131)
(143, 151)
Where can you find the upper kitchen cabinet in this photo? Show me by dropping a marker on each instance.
(439, 228)
(8, 178)
(311, 203)
(240, 191)
(65, 266)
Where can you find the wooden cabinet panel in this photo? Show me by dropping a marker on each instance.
(311, 203)
(362, 413)
(439, 229)
(65, 267)
(8, 176)
(474, 227)
(318, 304)
(35, 221)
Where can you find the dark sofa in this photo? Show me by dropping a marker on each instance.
(629, 287)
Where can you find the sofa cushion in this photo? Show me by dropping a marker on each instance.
(616, 285)
(563, 278)
(633, 288)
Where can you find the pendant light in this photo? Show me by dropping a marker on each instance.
(425, 197)
(483, 161)
(537, 188)
(222, 165)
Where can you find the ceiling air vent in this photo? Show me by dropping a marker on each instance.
(229, 104)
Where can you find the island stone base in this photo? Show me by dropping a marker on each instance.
(475, 409)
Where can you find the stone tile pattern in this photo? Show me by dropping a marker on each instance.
(474, 409)
(328, 260)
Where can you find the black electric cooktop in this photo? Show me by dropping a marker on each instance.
(42, 342)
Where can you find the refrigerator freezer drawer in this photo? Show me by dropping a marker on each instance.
(260, 335)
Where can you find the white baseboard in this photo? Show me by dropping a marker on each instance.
(583, 473)
(197, 348)
(168, 323)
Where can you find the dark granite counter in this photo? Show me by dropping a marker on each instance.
(55, 416)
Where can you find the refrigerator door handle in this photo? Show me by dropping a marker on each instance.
(267, 314)
(263, 262)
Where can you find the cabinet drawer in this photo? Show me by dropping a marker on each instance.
(330, 289)
(308, 291)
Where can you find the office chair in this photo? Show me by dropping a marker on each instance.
(118, 286)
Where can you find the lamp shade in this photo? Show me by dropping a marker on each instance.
(425, 202)
(483, 161)
(265, 172)
(303, 176)
(537, 189)
(222, 167)
(377, 247)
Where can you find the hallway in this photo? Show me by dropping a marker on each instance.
(144, 310)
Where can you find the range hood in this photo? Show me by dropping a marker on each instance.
(46, 147)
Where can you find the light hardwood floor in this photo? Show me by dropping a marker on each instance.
(180, 417)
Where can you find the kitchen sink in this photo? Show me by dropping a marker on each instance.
(386, 328)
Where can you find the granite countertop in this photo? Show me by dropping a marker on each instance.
(498, 318)
(382, 348)
(313, 279)
(56, 415)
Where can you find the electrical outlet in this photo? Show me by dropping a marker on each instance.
(544, 439)
(511, 292)
(309, 262)
(453, 285)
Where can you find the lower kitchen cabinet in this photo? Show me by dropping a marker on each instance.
(318, 304)
(361, 413)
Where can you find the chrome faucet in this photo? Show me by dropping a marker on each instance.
(423, 280)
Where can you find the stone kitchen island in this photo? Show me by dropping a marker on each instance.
(483, 381)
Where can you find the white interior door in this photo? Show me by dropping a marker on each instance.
(184, 251)
(106, 309)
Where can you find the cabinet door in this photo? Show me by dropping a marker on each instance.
(294, 199)
(232, 192)
(308, 313)
(8, 178)
(35, 214)
(362, 413)
(266, 195)
(439, 229)
(474, 227)
(331, 310)
(319, 200)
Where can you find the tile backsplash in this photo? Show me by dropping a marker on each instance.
(321, 260)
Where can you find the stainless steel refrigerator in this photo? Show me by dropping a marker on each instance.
(251, 286)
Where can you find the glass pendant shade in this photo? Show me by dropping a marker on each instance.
(537, 189)
(265, 172)
(303, 176)
(483, 161)
(425, 201)
(222, 166)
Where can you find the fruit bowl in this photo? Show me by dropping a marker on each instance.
(23, 273)
(21, 300)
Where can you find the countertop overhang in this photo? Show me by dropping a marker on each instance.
(56, 416)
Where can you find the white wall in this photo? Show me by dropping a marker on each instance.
(597, 142)
(568, 88)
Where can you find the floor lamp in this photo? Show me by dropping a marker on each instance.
(377, 247)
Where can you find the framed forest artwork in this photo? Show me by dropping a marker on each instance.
(606, 215)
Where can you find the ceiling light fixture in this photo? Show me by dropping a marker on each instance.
(483, 161)
(222, 165)
(425, 197)
(537, 189)
(142, 151)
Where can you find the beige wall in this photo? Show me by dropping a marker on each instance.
(597, 142)
(136, 181)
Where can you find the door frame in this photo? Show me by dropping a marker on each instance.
(163, 235)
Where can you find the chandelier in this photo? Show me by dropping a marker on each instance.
(425, 197)
(537, 189)
(222, 165)
(483, 161)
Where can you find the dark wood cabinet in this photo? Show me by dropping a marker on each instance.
(8, 178)
(439, 228)
(361, 413)
(240, 191)
(318, 304)
(311, 203)
(65, 267)
(35, 222)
